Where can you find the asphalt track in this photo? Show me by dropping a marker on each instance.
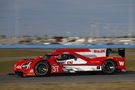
(79, 77)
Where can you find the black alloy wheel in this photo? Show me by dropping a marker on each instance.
(42, 69)
(109, 67)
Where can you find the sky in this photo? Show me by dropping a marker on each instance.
(66, 17)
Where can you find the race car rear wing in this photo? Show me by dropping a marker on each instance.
(120, 52)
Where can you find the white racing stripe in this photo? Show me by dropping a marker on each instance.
(82, 68)
(94, 53)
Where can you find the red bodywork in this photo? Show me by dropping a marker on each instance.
(94, 64)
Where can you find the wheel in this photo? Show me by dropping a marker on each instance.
(109, 67)
(42, 69)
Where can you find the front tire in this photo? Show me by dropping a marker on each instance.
(42, 69)
(109, 67)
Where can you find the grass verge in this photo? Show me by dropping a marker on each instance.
(20, 52)
(7, 66)
(70, 86)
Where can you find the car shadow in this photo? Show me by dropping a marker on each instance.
(83, 74)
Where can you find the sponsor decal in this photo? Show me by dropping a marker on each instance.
(95, 61)
(18, 67)
(31, 71)
(99, 51)
(121, 63)
(69, 62)
(55, 68)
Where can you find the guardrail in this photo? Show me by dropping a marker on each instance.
(67, 46)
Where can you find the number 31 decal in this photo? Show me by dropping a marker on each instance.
(55, 69)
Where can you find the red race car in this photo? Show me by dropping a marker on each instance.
(72, 61)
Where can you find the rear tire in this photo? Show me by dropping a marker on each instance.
(109, 67)
(42, 69)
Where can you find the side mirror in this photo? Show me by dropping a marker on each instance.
(60, 56)
(40, 57)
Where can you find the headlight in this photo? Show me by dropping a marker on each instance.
(26, 65)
